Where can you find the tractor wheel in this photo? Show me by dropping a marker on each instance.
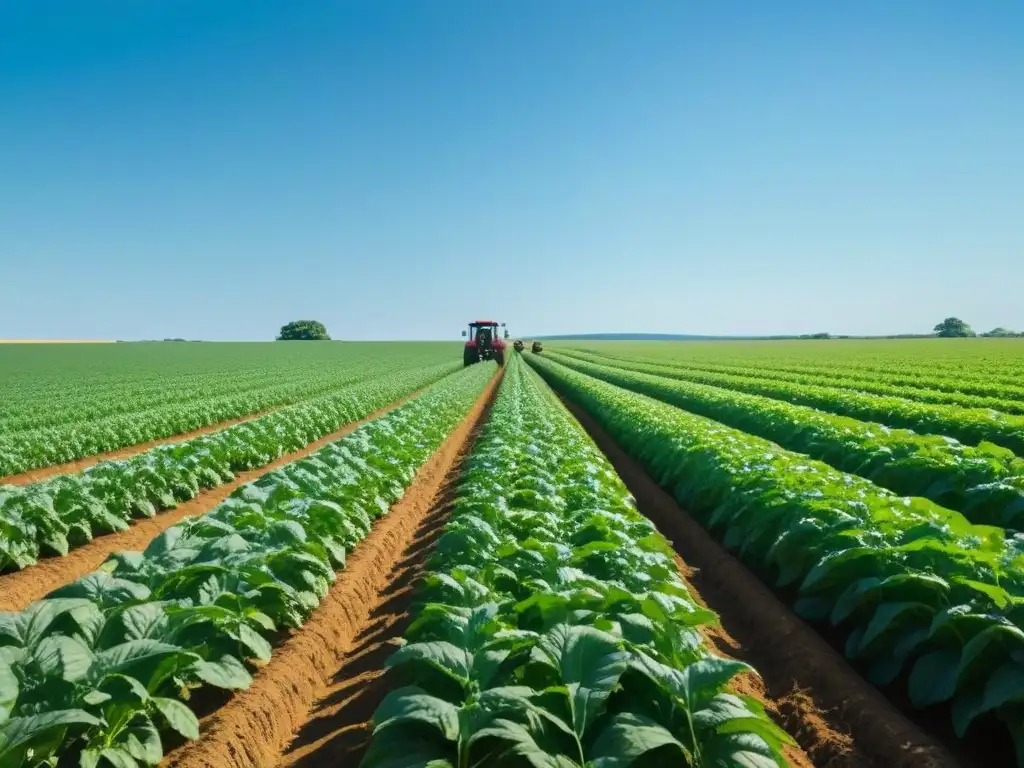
(469, 356)
(499, 355)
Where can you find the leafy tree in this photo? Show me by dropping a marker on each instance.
(304, 330)
(953, 327)
(1000, 333)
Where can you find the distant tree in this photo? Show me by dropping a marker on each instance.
(304, 330)
(1001, 333)
(953, 327)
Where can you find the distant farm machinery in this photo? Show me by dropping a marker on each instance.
(484, 343)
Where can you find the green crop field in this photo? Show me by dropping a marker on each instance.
(602, 555)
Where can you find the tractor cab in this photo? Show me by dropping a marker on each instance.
(484, 343)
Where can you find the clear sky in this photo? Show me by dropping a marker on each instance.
(215, 168)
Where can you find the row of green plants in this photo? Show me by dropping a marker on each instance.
(73, 439)
(56, 515)
(972, 389)
(49, 390)
(985, 482)
(102, 671)
(552, 627)
(971, 426)
(927, 601)
(42, 408)
(977, 365)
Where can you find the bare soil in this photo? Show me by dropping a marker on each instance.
(318, 687)
(838, 718)
(20, 588)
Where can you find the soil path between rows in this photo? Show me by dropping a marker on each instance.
(20, 588)
(339, 730)
(838, 718)
(71, 467)
(294, 694)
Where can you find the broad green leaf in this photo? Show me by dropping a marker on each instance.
(521, 742)
(116, 757)
(411, 704)
(890, 617)
(148, 661)
(63, 657)
(627, 737)
(739, 750)
(965, 707)
(141, 740)
(933, 678)
(228, 672)
(146, 621)
(702, 680)
(986, 651)
(588, 662)
(1004, 687)
(8, 691)
(440, 654)
(852, 597)
(178, 716)
(29, 626)
(253, 641)
(410, 751)
(18, 733)
(103, 589)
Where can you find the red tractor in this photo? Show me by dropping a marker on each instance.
(484, 343)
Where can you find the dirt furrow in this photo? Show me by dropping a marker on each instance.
(20, 588)
(838, 718)
(348, 635)
(339, 730)
(69, 468)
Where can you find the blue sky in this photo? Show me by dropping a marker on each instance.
(213, 169)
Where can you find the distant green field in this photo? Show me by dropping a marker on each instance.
(61, 402)
(1002, 354)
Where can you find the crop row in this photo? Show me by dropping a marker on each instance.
(23, 451)
(96, 671)
(553, 628)
(986, 482)
(964, 361)
(913, 585)
(972, 426)
(34, 409)
(66, 511)
(970, 390)
(72, 396)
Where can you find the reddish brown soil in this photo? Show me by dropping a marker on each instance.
(339, 729)
(35, 475)
(347, 633)
(22, 587)
(838, 718)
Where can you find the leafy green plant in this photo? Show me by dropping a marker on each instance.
(968, 425)
(553, 628)
(66, 511)
(967, 389)
(101, 667)
(916, 586)
(43, 428)
(986, 482)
